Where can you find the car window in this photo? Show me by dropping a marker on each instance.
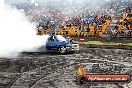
(60, 38)
(51, 38)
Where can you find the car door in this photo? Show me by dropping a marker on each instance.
(52, 43)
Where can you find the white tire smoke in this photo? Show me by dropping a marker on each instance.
(16, 33)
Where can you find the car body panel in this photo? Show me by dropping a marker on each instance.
(53, 43)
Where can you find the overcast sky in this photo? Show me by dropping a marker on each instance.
(28, 1)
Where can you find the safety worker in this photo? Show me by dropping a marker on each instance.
(81, 71)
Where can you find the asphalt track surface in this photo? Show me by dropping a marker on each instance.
(53, 70)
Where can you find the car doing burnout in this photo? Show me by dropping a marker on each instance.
(59, 43)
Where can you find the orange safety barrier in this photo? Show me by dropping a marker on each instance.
(91, 30)
(72, 30)
(78, 33)
(86, 27)
(85, 34)
(120, 27)
(71, 33)
(108, 22)
(104, 26)
(100, 34)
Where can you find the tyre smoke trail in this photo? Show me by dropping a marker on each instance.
(16, 33)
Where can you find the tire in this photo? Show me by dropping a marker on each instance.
(81, 80)
(62, 49)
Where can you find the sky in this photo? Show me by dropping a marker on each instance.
(79, 1)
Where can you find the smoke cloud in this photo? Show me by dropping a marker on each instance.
(16, 33)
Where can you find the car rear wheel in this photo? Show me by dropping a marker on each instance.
(62, 49)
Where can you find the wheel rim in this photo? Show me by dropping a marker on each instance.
(62, 49)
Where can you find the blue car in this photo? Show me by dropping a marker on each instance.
(59, 43)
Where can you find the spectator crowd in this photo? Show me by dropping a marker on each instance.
(123, 26)
(75, 21)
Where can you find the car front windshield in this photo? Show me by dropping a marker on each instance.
(60, 38)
